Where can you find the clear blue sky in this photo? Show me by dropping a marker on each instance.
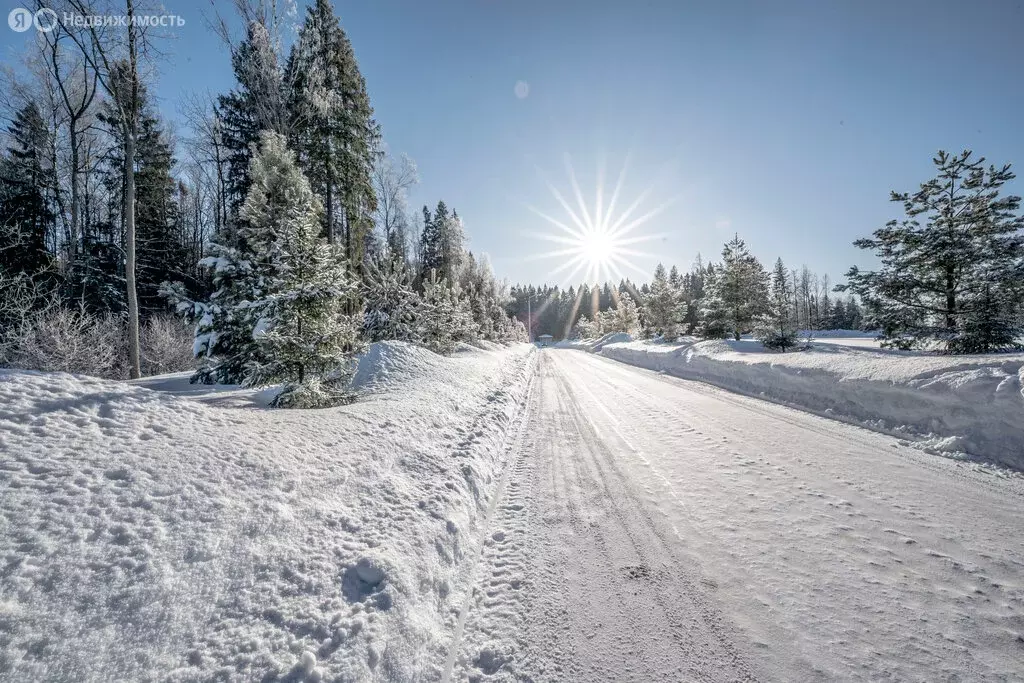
(788, 122)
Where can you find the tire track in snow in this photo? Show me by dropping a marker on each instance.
(692, 619)
(601, 594)
(838, 542)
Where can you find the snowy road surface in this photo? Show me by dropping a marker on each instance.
(653, 529)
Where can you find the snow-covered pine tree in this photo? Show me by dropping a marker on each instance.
(334, 129)
(713, 320)
(947, 278)
(453, 237)
(223, 336)
(664, 308)
(467, 328)
(392, 305)
(735, 295)
(301, 289)
(430, 247)
(692, 286)
(586, 328)
(625, 317)
(776, 328)
(443, 319)
(989, 325)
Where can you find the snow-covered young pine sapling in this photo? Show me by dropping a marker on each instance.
(306, 339)
(776, 328)
(444, 317)
(664, 306)
(392, 305)
(734, 292)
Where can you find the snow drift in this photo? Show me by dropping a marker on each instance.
(164, 531)
(948, 404)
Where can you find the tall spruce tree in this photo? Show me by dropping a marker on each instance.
(949, 266)
(255, 105)
(26, 179)
(334, 130)
(431, 246)
(625, 317)
(444, 318)
(161, 254)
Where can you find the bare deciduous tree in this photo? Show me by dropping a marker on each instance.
(113, 55)
(391, 182)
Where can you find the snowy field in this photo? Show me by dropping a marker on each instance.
(962, 406)
(166, 531)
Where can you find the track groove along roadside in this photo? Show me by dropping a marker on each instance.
(513, 450)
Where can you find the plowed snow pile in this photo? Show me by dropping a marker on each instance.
(163, 531)
(948, 404)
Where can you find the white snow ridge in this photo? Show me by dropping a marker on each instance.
(970, 404)
(151, 536)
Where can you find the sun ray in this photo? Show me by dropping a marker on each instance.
(580, 265)
(568, 264)
(639, 238)
(553, 254)
(565, 204)
(558, 239)
(644, 218)
(555, 222)
(629, 210)
(579, 195)
(629, 264)
(640, 254)
(618, 188)
(571, 320)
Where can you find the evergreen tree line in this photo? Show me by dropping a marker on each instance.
(287, 213)
(713, 299)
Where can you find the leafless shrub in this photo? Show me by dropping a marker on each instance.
(59, 339)
(166, 345)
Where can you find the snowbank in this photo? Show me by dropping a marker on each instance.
(167, 531)
(595, 345)
(949, 404)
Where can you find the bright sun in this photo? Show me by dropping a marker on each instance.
(596, 242)
(598, 249)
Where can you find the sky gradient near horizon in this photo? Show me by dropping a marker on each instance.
(787, 122)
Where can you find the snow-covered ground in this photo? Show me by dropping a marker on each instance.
(659, 529)
(509, 514)
(945, 404)
(167, 531)
(857, 338)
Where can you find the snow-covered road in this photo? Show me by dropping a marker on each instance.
(654, 529)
